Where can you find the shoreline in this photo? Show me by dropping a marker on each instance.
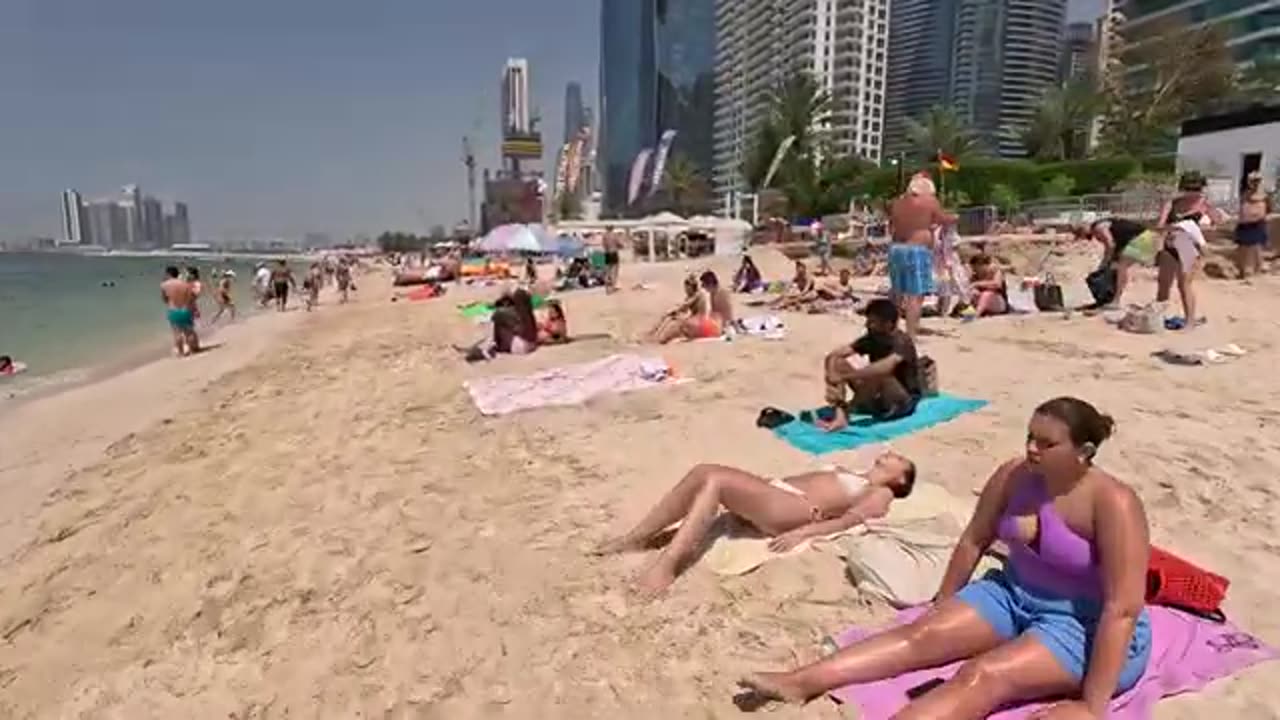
(112, 401)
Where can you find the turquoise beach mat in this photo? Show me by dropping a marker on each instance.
(863, 430)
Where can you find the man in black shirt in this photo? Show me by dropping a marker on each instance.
(1115, 234)
(882, 368)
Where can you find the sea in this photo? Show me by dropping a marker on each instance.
(69, 316)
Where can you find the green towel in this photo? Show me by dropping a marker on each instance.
(482, 310)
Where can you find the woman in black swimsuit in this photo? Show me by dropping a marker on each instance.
(1180, 259)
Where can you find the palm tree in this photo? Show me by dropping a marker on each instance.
(798, 107)
(941, 130)
(686, 191)
(1060, 128)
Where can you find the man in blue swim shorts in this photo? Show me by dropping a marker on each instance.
(912, 219)
(179, 299)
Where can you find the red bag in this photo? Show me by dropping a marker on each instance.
(1177, 583)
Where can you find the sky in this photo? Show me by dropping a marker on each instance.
(276, 117)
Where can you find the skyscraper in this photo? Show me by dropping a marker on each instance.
(1006, 56)
(656, 74)
(919, 73)
(843, 44)
(575, 115)
(154, 233)
(75, 220)
(515, 96)
(1252, 26)
(1080, 53)
(179, 224)
(108, 223)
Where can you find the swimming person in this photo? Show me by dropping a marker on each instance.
(912, 220)
(791, 510)
(1065, 618)
(1251, 228)
(7, 366)
(179, 298)
(882, 368)
(223, 296)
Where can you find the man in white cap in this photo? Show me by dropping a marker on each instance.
(913, 217)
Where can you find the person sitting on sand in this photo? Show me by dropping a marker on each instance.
(986, 286)
(747, 279)
(554, 329)
(691, 319)
(838, 288)
(791, 510)
(882, 369)
(1066, 616)
(802, 291)
(720, 297)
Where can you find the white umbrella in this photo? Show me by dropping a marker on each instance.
(510, 238)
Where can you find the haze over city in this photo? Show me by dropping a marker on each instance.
(279, 118)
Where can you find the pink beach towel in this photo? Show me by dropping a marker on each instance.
(1187, 654)
(568, 385)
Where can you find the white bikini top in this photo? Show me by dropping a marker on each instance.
(852, 482)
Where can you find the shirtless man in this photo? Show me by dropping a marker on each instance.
(1251, 228)
(803, 289)
(840, 288)
(721, 299)
(311, 283)
(343, 277)
(179, 299)
(281, 281)
(223, 296)
(691, 319)
(612, 260)
(912, 219)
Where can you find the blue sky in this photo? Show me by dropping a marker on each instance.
(274, 116)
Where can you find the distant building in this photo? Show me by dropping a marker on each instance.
(657, 73)
(154, 230)
(108, 223)
(1080, 53)
(75, 219)
(843, 44)
(178, 225)
(575, 114)
(1006, 56)
(515, 96)
(1252, 26)
(510, 199)
(921, 36)
(1226, 148)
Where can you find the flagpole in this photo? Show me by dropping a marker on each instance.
(942, 179)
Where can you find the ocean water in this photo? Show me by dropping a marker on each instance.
(64, 314)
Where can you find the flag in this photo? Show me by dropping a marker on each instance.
(947, 163)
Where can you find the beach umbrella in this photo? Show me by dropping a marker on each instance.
(510, 238)
(568, 246)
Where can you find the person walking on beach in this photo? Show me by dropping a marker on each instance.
(912, 219)
(311, 283)
(179, 299)
(612, 260)
(281, 281)
(262, 284)
(1251, 228)
(223, 296)
(343, 277)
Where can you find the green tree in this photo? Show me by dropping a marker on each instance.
(1175, 72)
(1005, 198)
(1059, 130)
(941, 130)
(684, 190)
(797, 106)
(1058, 186)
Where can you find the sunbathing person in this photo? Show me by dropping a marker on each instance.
(554, 329)
(840, 288)
(1065, 618)
(791, 510)
(986, 287)
(882, 369)
(802, 291)
(748, 278)
(691, 319)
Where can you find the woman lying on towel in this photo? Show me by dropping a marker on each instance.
(1064, 619)
(791, 510)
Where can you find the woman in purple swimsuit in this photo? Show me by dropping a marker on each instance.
(1065, 618)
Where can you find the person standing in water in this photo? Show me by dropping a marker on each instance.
(262, 283)
(179, 299)
(281, 281)
(1251, 228)
(912, 219)
(223, 296)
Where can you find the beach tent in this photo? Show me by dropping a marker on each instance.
(731, 235)
(666, 222)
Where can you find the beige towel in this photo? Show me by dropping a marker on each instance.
(737, 548)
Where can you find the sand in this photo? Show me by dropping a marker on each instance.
(328, 528)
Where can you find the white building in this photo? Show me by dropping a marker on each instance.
(75, 225)
(515, 97)
(1225, 148)
(841, 43)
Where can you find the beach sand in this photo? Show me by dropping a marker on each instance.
(329, 529)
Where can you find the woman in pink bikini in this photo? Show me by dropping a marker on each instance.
(1066, 616)
(791, 510)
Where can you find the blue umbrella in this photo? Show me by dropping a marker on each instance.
(568, 246)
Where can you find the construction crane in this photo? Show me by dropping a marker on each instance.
(469, 160)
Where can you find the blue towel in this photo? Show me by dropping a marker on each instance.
(863, 430)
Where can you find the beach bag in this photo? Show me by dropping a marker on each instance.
(1142, 249)
(1146, 320)
(928, 377)
(771, 418)
(1102, 285)
(1048, 295)
(1176, 583)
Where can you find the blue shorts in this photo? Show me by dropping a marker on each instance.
(910, 269)
(1064, 626)
(1252, 234)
